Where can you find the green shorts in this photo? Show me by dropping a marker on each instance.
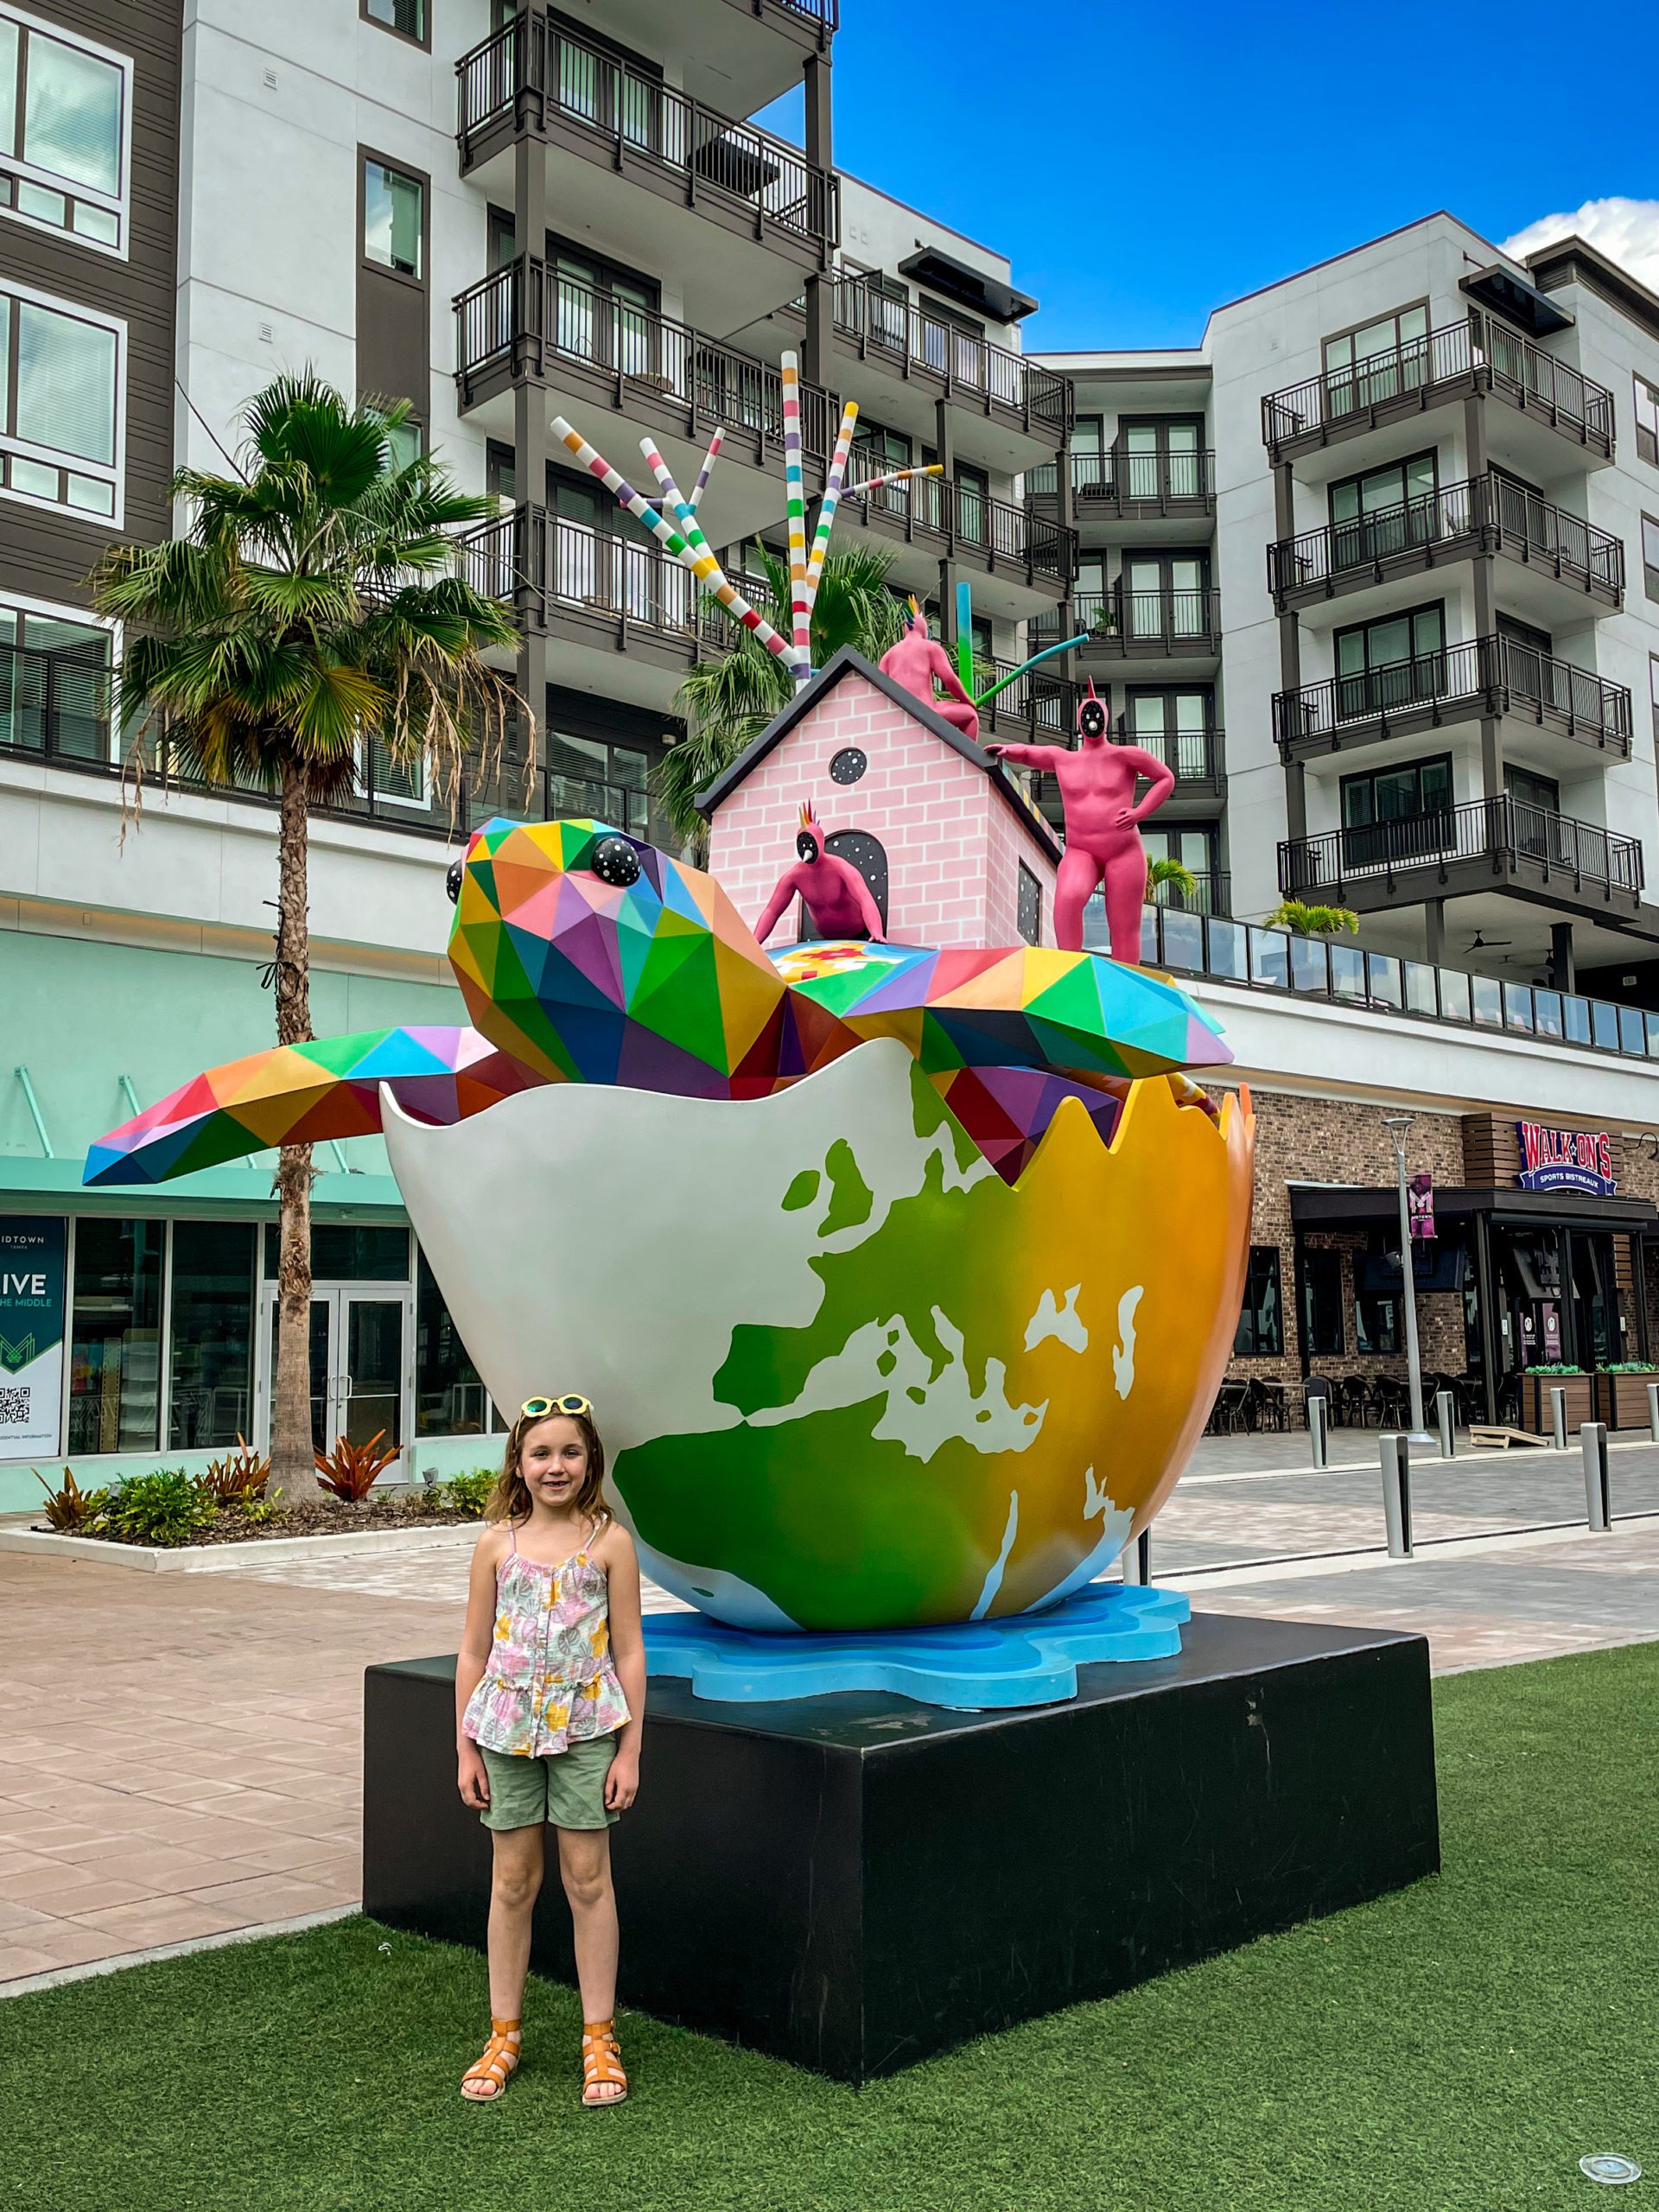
(566, 1787)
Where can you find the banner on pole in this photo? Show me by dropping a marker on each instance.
(33, 1309)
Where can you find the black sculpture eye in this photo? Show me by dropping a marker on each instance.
(452, 880)
(614, 861)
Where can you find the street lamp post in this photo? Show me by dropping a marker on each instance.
(1396, 1125)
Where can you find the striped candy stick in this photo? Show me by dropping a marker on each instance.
(795, 507)
(706, 471)
(831, 500)
(700, 557)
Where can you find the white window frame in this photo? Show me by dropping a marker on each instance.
(56, 611)
(118, 204)
(54, 457)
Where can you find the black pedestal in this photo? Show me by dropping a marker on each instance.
(854, 1883)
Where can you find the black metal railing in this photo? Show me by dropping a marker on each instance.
(1493, 675)
(1165, 624)
(1505, 828)
(1132, 486)
(965, 365)
(1038, 702)
(56, 704)
(1211, 893)
(1244, 956)
(968, 520)
(531, 319)
(1476, 353)
(1490, 509)
(1194, 754)
(531, 63)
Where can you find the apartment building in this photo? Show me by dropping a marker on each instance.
(501, 216)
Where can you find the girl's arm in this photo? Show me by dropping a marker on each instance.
(628, 1651)
(473, 1657)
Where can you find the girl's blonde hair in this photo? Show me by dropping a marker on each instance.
(511, 1500)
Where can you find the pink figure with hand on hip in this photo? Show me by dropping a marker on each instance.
(831, 889)
(1102, 826)
(915, 661)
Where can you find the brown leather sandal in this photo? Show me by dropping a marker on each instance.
(601, 2065)
(499, 2063)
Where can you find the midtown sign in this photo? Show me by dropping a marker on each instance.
(1566, 1159)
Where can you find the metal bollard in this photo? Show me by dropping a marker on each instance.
(1137, 1560)
(1446, 1408)
(1316, 1434)
(1558, 1414)
(1653, 1411)
(1598, 1489)
(1396, 1493)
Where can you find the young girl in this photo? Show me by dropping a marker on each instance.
(549, 1697)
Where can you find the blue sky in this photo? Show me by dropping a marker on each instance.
(1205, 149)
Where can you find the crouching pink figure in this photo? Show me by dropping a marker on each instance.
(1102, 826)
(832, 890)
(915, 661)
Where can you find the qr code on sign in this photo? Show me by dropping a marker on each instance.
(14, 1408)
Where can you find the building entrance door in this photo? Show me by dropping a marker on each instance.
(362, 1340)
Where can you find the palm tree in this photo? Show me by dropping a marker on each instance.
(314, 607)
(1303, 921)
(1167, 869)
(728, 702)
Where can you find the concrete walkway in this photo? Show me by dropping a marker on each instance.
(180, 1755)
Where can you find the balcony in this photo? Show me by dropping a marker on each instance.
(526, 321)
(1571, 559)
(1486, 676)
(1132, 486)
(1483, 845)
(533, 74)
(1245, 956)
(1149, 625)
(951, 363)
(1037, 706)
(1474, 356)
(960, 521)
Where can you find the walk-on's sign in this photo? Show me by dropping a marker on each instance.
(1566, 1159)
(32, 1311)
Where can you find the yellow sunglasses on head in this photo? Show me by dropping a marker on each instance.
(539, 1409)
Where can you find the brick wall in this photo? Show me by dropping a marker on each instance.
(952, 841)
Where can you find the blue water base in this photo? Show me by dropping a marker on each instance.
(973, 1666)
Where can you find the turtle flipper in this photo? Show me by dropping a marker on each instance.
(308, 1094)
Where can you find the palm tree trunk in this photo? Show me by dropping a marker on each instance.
(293, 1469)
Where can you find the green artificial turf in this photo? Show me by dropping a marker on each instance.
(1460, 2045)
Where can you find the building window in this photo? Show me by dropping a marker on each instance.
(1030, 923)
(115, 1361)
(55, 684)
(60, 413)
(1384, 512)
(450, 1399)
(1162, 459)
(1090, 463)
(1653, 692)
(1195, 849)
(1651, 556)
(1322, 1330)
(1384, 665)
(1397, 813)
(1261, 1320)
(1646, 422)
(1176, 725)
(1391, 346)
(500, 471)
(406, 18)
(65, 133)
(210, 1332)
(589, 778)
(1377, 1315)
(406, 442)
(394, 220)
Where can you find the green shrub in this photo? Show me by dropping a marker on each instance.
(255, 1510)
(164, 1509)
(471, 1493)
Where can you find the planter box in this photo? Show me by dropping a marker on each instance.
(208, 1559)
(1621, 1400)
(1536, 1413)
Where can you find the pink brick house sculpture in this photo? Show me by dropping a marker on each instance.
(942, 833)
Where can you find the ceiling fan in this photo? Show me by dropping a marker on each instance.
(1480, 944)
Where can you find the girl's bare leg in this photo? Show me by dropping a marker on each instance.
(585, 1869)
(519, 1858)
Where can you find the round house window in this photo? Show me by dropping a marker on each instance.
(848, 766)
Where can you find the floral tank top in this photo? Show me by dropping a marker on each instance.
(549, 1680)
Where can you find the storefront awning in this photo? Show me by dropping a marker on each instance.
(1326, 1205)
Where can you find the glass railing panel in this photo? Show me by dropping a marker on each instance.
(1632, 1035)
(1604, 1025)
(1420, 995)
(1486, 1001)
(1182, 940)
(1270, 957)
(1149, 918)
(1576, 1015)
(1547, 1018)
(1308, 969)
(1653, 1036)
(1347, 971)
(1230, 951)
(1454, 995)
(1517, 1006)
(1383, 980)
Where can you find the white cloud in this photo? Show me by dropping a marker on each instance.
(1626, 231)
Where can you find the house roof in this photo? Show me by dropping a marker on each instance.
(818, 686)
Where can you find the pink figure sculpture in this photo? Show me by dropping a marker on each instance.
(915, 661)
(835, 893)
(1102, 826)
